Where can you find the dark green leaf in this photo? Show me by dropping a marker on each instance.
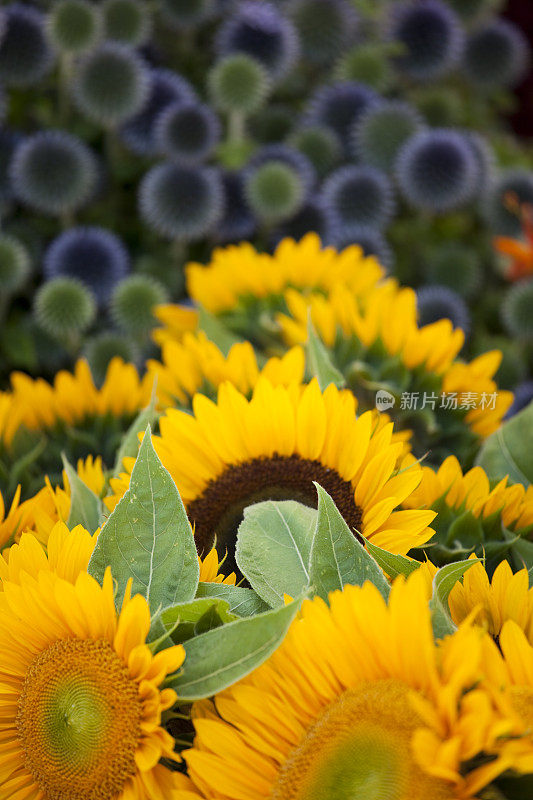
(391, 563)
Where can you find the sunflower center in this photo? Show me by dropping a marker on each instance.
(79, 721)
(219, 509)
(360, 749)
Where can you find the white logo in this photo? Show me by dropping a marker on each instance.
(384, 400)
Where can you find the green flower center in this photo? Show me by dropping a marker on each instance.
(78, 721)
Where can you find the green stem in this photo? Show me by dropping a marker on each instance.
(236, 127)
(65, 74)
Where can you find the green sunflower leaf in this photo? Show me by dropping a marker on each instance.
(85, 506)
(509, 450)
(337, 557)
(273, 548)
(320, 363)
(184, 620)
(148, 537)
(391, 563)
(217, 331)
(130, 442)
(242, 601)
(443, 583)
(219, 658)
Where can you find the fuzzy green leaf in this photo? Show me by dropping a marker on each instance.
(509, 451)
(85, 506)
(243, 602)
(320, 363)
(216, 331)
(391, 563)
(443, 583)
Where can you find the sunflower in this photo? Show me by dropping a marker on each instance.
(506, 597)
(235, 452)
(196, 364)
(379, 345)
(357, 702)
(245, 288)
(73, 416)
(14, 520)
(80, 701)
(469, 511)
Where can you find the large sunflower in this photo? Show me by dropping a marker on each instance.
(471, 513)
(235, 452)
(80, 699)
(73, 416)
(196, 364)
(378, 344)
(245, 288)
(358, 701)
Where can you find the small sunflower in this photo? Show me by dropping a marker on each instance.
(350, 705)
(73, 416)
(506, 597)
(15, 519)
(470, 513)
(196, 364)
(378, 344)
(245, 288)
(236, 452)
(81, 703)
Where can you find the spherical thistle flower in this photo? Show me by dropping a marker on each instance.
(183, 203)
(436, 170)
(381, 131)
(319, 145)
(127, 21)
(365, 63)
(186, 14)
(272, 123)
(274, 191)
(496, 55)
(508, 191)
(359, 197)
(111, 84)
(440, 106)
(314, 215)
(53, 172)
(100, 350)
(339, 105)
(441, 302)
(187, 132)
(286, 155)
(74, 25)
(82, 713)
(237, 222)
(133, 302)
(325, 27)
(485, 160)
(431, 35)
(470, 9)
(523, 395)
(165, 88)
(260, 30)
(14, 263)
(25, 53)
(371, 241)
(516, 310)
(94, 256)
(64, 307)
(238, 83)
(456, 266)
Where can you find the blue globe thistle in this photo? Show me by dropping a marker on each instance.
(53, 172)
(506, 192)
(260, 30)
(111, 84)
(64, 308)
(320, 145)
(381, 131)
(127, 21)
(92, 255)
(431, 35)
(372, 242)
(359, 197)
(441, 302)
(165, 88)
(366, 63)
(133, 302)
(286, 155)
(237, 222)
(456, 266)
(25, 54)
(485, 160)
(437, 170)
(496, 55)
(239, 83)
(523, 395)
(516, 310)
(325, 27)
(183, 203)
(8, 143)
(73, 26)
(339, 107)
(187, 132)
(186, 14)
(14, 264)
(274, 191)
(314, 216)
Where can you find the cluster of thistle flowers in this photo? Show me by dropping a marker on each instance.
(137, 135)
